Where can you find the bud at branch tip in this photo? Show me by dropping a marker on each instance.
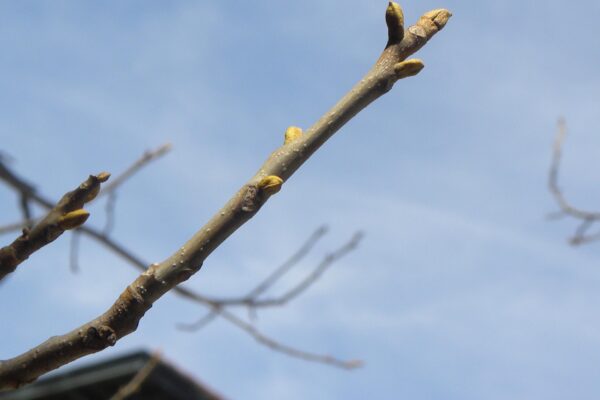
(103, 176)
(394, 18)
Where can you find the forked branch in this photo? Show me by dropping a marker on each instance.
(218, 307)
(124, 315)
(586, 218)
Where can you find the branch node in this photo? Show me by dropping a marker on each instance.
(99, 338)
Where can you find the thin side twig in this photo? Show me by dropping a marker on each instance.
(74, 251)
(15, 226)
(135, 384)
(288, 350)
(329, 260)
(201, 323)
(289, 264)
(145, 159)
(26, 210)
(256, 302)
(587, 218)
(67, 214)
(110, 190)
(123, 316)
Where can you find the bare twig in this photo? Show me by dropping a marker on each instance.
(146, 158)
(24, 188)
(110, 212)
(587, 218)
(74, 253)
(201, 323)
(67, 214)
(288, 350)
(255, 302)
(15, 226)
(124, 315)
(135, 384)
(111, 189)
(310, 279)
(289, 264)
(26, 209)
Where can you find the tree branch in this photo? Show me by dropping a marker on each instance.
(124, 315)
(67, 214)
(252, 300)
(289, 264)
(216, 306)
(586, 218)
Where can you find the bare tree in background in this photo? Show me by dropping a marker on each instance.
(586, 219)
(157, 279)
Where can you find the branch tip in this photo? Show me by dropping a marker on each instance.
(352, 364)
(394, 18)
(438, 17)
(103, 176)
(292, 133)
(92, 185)
(408, 68)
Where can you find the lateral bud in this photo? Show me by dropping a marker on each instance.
(408, 68)
(270, 184)
(292, 133)
(73, 219)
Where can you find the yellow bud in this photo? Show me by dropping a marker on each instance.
(292, 133)
(270, 184)
(103, 176)
(394, 18)
(73, 219)
(408, 68)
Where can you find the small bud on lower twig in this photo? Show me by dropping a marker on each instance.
(270, 184)
(73, 219)
(408, 68)
(292, 133)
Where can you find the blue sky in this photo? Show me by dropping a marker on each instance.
(461, 288)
